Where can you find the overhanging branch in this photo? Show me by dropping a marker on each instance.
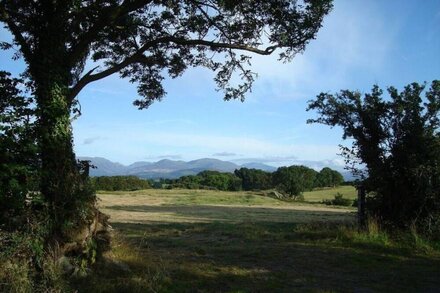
(106, 17)
(138, 57)
(15, 30)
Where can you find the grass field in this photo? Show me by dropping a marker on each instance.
(208, 241)
(329, 193)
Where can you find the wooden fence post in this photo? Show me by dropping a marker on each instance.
(361, 206)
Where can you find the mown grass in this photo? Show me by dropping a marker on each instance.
(170, 245)
(206, 197)
(318, 195)
(199, 197)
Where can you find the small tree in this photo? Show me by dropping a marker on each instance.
(396, 141)
(294, 180)
(328, 178)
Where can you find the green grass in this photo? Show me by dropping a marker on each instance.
(318, 195)
(197, 197)
(191, 197)
(167, 241)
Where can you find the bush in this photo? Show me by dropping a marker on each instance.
(120, 183)
(339, 200)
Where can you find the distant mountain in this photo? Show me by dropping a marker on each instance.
(213, 164)
(161, 169)
(139, 164)
(105, 167)
(174, 169)
(260, 166)
(348, 176)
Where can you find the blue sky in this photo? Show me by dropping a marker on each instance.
(360, 44)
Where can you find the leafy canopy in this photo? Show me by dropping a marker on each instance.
(144, 40)
(18, 167)
(397, 140)
(294, 180)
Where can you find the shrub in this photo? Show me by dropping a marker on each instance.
(339, 200)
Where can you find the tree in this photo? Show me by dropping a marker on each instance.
(328, 178)
(189, 181)
(396, 146)
(254, 179)
(219, 180)
(18, 168)
(112, 183)
(143, 41)
(294, 180)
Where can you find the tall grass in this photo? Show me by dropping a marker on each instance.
(373, 234)
(18, 275)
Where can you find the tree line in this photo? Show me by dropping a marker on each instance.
(119, 183)
(291, 181)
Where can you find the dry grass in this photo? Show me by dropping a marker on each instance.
(234, 242)
(189, 206)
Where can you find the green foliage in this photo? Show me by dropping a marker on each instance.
(397, 141)
(122, 183)
(254, 179)
(220, 181)
(189, 182)
(18, 151)
(339, 200)
(294, 180)
(328, 178)
(208, 180)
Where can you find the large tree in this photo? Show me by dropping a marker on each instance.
(395, 145)
(254, 179)
(144, 41)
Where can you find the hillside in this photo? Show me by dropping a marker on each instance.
(172, 169)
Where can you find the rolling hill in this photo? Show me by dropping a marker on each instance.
(172, 169)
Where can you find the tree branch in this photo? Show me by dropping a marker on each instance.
(139, 57)
(106, 17)
(15, 30)
(267, 51)
(89, 77)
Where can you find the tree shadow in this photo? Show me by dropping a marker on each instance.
(209, 213)
(251, 249)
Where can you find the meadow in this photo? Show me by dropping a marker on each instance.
(211, 241)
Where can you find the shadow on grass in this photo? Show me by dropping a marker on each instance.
(301, 214)
(272, 257)
(254, 249)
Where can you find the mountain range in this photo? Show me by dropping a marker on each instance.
(172, 169)
(166, 168)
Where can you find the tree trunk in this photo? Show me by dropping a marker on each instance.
(57, 157)
(59, 173)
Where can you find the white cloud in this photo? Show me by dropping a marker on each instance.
(354, 38)
(172, 157)
(90, 140)
(224, 154)
(135, 144)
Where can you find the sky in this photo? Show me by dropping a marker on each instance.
(361, 43)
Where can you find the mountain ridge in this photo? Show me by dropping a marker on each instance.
(164, 168)
(172, 169)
